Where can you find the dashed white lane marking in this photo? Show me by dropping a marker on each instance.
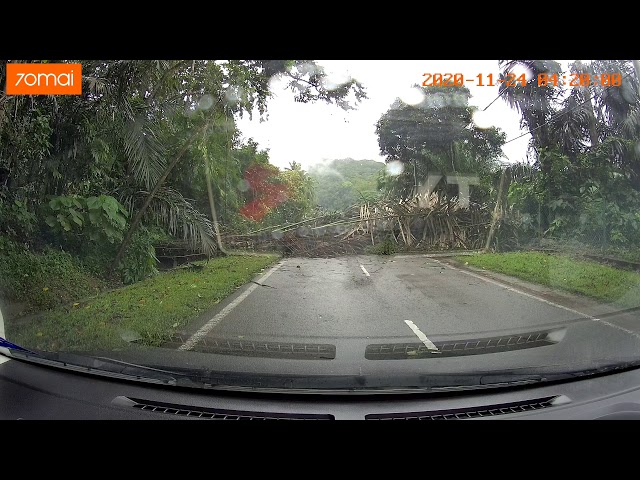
(423, 338)
(206, 328)
(548, 302)
(365, 270)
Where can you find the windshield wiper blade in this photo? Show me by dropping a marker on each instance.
(100, 366)
(109, 367)
(179, 378)
(12, 346)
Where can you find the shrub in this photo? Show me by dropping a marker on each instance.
(42, 280)
(139, 262)
(387, 247)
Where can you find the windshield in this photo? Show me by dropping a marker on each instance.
(322, 224)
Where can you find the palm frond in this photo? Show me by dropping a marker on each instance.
(177, 214)
(631, 124)
(98, 86)
(145, 152)
(100, 151)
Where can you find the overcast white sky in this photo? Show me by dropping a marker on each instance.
(312, 133)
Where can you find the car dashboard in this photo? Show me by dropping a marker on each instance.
(35, 392)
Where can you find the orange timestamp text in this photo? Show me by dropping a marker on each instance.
(480, 80)
(515, 80)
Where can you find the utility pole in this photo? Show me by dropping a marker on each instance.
(505, 181)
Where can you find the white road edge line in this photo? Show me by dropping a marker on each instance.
(423, 338)
(557, 305)
(3, 351)
(365, 270)
(207, 327)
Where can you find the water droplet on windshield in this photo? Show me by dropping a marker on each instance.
(519, 69)
(243, 185)
(130, 335)
(233, 95)
(206, 102)
(412, 96)
(482, 119)
(334, 79)
(394, 168)
(307, 68)
(276, 83)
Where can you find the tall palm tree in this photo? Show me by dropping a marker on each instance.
(618, 110)
(577, 119)
(537, 107)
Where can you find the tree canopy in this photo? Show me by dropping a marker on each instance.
(437, 135)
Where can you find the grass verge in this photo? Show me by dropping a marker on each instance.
(598, 281)
(43, 280)
(147, 312)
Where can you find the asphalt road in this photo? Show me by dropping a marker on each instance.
(401, 298)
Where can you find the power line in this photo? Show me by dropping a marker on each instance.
(493, 101)
(485, 108)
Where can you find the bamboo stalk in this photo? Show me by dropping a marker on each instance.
(401, 232)
(505, 180)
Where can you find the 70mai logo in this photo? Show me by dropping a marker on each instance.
(44, 79)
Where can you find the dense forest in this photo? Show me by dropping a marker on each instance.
(342, 183)
(584, 182)
(149, 152)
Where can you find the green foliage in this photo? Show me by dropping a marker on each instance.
(346, 182)
(559, 271)
(578, 135)
(134, 120)
(140, 260)
(147, 312)
(18, 221)
(300, 194)
(170, 211)
(42, 280)
(386, 247)
(603, 220)
(100, 219)
(584, 202)
(96, 259)
(516, 230)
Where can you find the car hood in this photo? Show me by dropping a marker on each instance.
(374, 364)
